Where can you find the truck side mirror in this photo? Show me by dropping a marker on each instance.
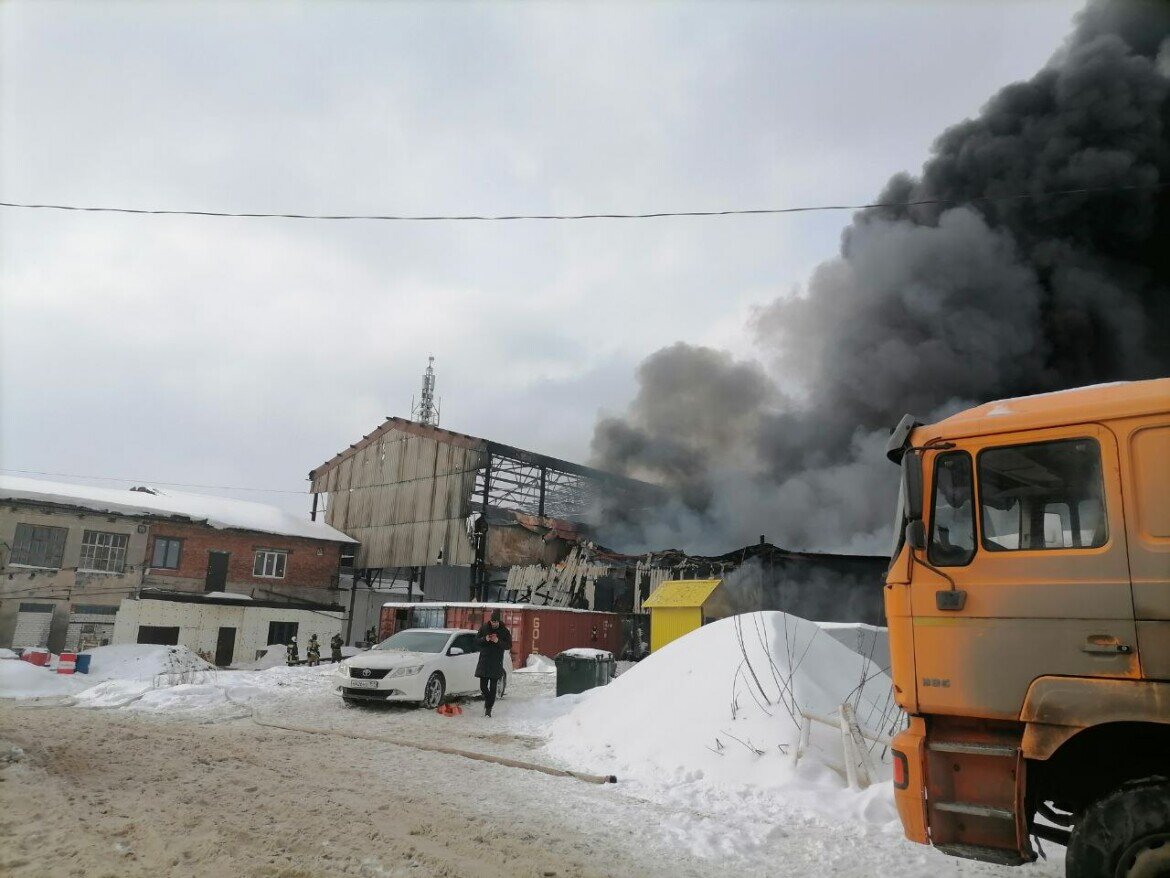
(912, 484)
(916, 534)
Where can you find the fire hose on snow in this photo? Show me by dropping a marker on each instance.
(429, 748)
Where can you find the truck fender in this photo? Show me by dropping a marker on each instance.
(1056, 708)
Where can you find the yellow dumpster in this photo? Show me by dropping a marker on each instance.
(676, 608)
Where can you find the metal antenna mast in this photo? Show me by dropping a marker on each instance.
(427, 410)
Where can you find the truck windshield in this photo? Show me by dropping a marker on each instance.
(416, 641)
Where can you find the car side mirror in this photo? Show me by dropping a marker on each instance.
(455, 650)
(912, 484)
(916, 534)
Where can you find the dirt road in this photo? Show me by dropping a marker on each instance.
(96, 794)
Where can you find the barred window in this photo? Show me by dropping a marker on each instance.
(38, 546)
(269, 564)
(103, 552)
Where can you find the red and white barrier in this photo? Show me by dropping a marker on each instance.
(67, 664)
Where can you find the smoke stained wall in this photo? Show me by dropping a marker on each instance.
(930, 309)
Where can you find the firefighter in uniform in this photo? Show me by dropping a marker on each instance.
(292, 656)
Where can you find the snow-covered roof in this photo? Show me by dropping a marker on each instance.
(218, 512)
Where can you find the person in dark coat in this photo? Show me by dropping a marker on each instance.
(335, 647)
(494, 641)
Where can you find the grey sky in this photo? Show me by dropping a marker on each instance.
(244, 352)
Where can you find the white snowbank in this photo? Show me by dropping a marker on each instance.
(8, 654)
(24, 680)
(143, 662)
(537, 664)
(235, 596)
(708, 719)
(869, 641)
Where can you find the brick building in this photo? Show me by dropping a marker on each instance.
(69, 554)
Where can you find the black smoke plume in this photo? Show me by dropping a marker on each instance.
(930, 308)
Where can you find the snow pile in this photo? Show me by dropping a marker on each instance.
(233, 595)
(538, 664)
(712, 718)
(124, 674)
(143, 662)
(25, 680)
(866, 640)
(8, 654)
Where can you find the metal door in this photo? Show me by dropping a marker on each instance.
(217, 571)
(225, 647)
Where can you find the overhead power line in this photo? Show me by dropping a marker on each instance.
(140, 481)
(1026, 196)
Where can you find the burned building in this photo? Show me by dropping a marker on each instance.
(450, 513)
(818, 586)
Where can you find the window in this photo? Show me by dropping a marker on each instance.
(282, 632)
(103, 552)
(158, 635)
(952, 518)
(1044, 496)
(168, 552)
(38, 546)
(465, 642)
(270, 564)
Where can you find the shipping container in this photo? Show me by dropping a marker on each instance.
(543, 630)
(535, 630)
(394, 618)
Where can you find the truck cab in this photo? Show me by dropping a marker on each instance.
(1028, 600)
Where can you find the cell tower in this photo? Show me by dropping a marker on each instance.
(427, 410)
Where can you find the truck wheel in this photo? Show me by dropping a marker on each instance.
(434, 691)
(1124, 835)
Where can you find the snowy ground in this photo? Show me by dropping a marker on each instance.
(229, 796)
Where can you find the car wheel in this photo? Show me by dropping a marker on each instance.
(434, 691)
(502, 686)
(1124, 835)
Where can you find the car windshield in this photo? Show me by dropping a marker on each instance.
(415, 641)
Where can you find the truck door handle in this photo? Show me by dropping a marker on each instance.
(1102, 644)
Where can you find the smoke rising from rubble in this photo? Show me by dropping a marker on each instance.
(929, 309)
(812, 593)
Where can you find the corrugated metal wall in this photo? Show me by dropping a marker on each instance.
(404, 498)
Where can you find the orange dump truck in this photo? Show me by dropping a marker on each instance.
(1028, 601)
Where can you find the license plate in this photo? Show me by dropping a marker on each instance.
(362, 684)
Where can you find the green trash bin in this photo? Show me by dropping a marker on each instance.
(579, 670)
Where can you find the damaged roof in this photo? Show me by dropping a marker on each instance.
(473, 443)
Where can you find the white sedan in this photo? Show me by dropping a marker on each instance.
(419, 664)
